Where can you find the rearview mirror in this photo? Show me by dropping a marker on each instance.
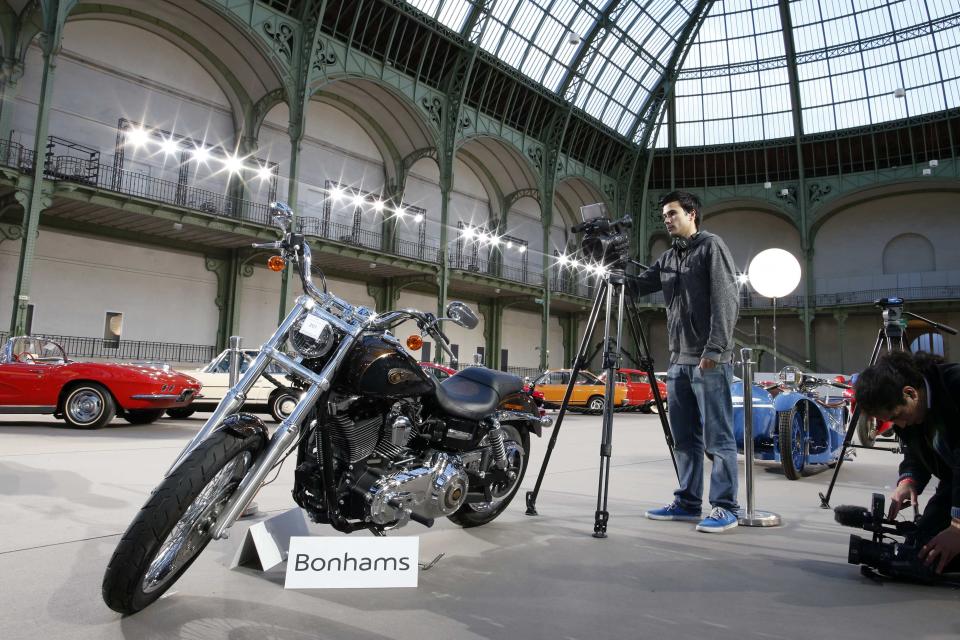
(282, 215)
(462, 315)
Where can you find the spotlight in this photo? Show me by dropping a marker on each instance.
(201, 154)
(358, 200)
(137, 137)
(378, 205)
(522, 249)
(170, 146)
(563, 260)
(743, 279)
(418, 217)
(573, 38)
(400, 213)
(233, 164)
(264, 172)
(509, 244)
(494, 240)
(336, 193)
(467, 233)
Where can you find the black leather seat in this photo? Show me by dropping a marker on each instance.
(475, 392)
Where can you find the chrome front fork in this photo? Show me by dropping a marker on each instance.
(237, 395)
(285, 436)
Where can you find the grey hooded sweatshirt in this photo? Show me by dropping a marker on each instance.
(699, 285)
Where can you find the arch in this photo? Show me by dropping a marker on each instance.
(909, 253)
(572, 192)
(767, 230)
(389, 154)
(392, 119)
(238, 61)
(725, 205)
(876, 192)
(509, 169)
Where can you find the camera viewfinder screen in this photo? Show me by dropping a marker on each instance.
(593, 211)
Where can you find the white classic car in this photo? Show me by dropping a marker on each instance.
(271, 392)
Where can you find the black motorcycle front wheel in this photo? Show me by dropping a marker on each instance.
(173, 527)
(473, 513)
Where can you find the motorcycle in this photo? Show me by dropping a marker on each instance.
(792, 424)
(378, 441)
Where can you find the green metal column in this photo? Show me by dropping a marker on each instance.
(841, 318)
(570, 325)
(492, 331)
(226, 270)
(802, 195)
(443, 271)
(38, 200)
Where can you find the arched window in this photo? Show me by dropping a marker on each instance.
(908, 253)
(929, 342)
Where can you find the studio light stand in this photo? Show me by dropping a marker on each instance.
(610, 293)
(890, 336)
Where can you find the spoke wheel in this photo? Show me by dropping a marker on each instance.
(88, 406)
(173, 527)
(596, 403)
(474, 514)
(794, 435)
(867, 430)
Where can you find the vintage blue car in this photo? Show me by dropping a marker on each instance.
(792, 423)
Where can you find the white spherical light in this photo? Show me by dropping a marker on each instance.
(774, 273)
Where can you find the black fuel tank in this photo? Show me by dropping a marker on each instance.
(378, 366)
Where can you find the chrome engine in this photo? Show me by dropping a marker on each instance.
(436, 489)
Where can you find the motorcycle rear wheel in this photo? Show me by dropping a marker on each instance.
(172, 528)
(475, 514)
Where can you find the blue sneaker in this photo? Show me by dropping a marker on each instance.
(674, 511)
(718, 521)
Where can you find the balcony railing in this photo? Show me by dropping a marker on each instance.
(81, 347)
(465, 261)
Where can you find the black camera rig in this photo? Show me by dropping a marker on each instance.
(882, 556)
(605, 241)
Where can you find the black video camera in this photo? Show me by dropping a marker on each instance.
(605, 241)
(892, 310)
(892, 559)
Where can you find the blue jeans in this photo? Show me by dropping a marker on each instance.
(701, 413)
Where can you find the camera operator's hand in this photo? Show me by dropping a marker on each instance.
(707, 363)
(905, 494)
(944, 547)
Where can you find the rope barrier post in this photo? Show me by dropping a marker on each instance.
(750, 517)
(235, 355)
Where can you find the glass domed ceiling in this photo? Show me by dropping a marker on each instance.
(852, 56)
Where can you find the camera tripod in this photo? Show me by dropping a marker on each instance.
(891, 336)
(610, 291)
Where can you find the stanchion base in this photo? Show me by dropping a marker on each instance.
(759, 519)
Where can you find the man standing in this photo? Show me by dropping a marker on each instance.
(919, 394)
(698, 279)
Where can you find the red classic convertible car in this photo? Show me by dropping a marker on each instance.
(37, 377)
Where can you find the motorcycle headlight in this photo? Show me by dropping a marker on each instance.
(312, 337)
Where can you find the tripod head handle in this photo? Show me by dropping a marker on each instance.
(932, 323)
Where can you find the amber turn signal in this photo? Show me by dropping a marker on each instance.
(414, 342)
(276, 263)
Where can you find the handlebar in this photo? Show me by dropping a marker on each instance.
(425, 321)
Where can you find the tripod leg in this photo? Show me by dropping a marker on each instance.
(851, 428)
(578, 364)
(611, 356)
(646, 363)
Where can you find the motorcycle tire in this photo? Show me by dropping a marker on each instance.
(867, 430)
(475, 514)
(794, 443)
(171, 529)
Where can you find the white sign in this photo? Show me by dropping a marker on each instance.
(352, 563)
(313, 326)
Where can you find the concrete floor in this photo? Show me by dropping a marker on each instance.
(66, 496)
